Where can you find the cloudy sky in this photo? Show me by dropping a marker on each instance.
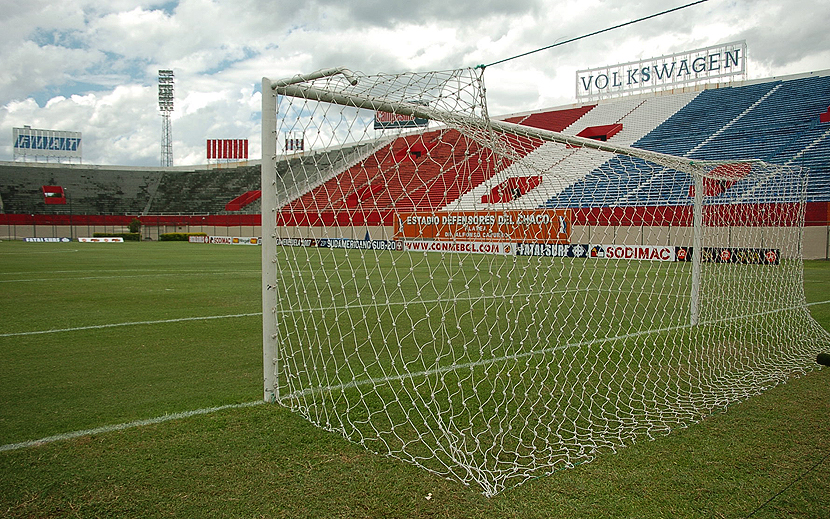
(92, 65)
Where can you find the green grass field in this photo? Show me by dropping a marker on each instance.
(97, 335)
(495, 369)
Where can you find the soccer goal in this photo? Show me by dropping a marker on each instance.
(492, 301)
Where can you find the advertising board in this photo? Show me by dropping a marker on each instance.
(633, 252)
(470, 247)
(226, 240)
(227, 149)
(35, 142)
(386, 121)
(47, 240)
(102, 239)
(530, 226)
(727, 60)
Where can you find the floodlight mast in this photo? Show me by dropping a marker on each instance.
(166, 107)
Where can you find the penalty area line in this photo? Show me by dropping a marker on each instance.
(124, 426)
(133, 323)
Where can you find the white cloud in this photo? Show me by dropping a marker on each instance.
(28, 67)
(91, 65)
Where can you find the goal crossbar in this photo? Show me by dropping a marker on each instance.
(291, 87)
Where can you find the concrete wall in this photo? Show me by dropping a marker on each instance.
(816, 243)
(19, 232)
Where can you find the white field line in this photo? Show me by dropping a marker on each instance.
(154, 275)
(291, 311)
(148, 270)
(9, 253)
(186, 414)
(280, 312)
(123, 426)
(507, 296)
(133, 323)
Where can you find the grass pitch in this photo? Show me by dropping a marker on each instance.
(104, 334)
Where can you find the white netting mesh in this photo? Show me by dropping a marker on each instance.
(492, 306)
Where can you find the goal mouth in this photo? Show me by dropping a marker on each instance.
(493, 301)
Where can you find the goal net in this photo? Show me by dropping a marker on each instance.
(494, 300)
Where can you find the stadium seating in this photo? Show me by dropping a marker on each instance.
(783, 121)
(776, 121)
(556, 120)
(89, 190)
(409, 174)
(243, 200)
(203, 191)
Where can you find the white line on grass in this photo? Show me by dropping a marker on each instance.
(39, 252)
(123, 426)
(279, 312)
(354, 383)
(133, 323)
(507, 296)
(120, 276)
(149, 270)
(254, 314)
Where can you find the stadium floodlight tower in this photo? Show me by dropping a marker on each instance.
(166, 108)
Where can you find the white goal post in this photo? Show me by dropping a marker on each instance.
(492, 301)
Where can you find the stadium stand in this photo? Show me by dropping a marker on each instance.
(780, 120)
(243, 200)
(203, 191)
(776, 121)
(418, 181)
(89, 189)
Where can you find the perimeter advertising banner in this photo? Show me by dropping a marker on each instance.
(633, 252)
(102, 239)
(47, 240)
(739, 255)
(470, 247)
(530, 226)
(225, 240)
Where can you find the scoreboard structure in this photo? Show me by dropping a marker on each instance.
(36, 143)
(227, 149)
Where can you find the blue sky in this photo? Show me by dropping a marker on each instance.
(91, 65)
